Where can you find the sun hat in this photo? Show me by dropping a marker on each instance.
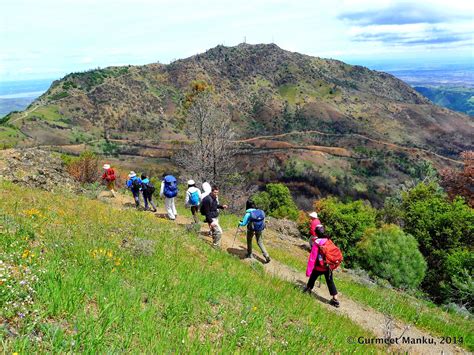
(191, 182)
(132, 174)
(313, 215)
(106, 166)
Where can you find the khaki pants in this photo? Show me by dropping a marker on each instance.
(216, 232)
(111, 186)
(259, 237)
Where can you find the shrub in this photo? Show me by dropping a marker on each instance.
(345, 223)
(83, 168)
(277, 202)
(459, 289)
(391, 254)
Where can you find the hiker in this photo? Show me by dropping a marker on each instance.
(209, 208)
(254, 219)
(315, 223)
(169, 190)
(134, 184)
(109, 177)
(147, 190)
(317, 267)
(193, 199)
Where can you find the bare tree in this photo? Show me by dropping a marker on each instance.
(209, 153)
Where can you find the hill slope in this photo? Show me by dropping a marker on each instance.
(122, 280)
(384, 127)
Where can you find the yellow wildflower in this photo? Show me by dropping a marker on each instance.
(25, 254)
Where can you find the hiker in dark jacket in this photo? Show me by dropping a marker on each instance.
(134, 184)
(209, 208)
(147, 190)
(251, 230)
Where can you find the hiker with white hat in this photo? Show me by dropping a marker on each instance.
(109, 177)
(314, 227)
(193, 199)
(134, 184)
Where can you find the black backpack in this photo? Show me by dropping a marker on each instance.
(136, 185)
(149, 188)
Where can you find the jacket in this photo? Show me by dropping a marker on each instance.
(109, 175)
(315, 260)
(209, 208)
(245, 221)
(130, 181)
(188, 195)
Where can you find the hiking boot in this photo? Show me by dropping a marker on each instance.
(267, 259)
(306, 290)
(334, 302)
(249, 256)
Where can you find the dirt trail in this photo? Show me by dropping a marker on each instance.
(365, 316)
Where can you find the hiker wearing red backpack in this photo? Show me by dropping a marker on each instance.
(109, 177)
(323, 259)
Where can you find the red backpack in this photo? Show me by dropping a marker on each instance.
(331, 254)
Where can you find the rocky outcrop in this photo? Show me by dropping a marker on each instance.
(36, 168)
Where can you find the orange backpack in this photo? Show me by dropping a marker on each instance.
(331, 254)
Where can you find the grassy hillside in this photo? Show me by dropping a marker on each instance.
(77, 275)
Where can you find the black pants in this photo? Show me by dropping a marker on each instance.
(194, 211)
(329, 280)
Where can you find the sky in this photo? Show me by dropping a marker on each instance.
(50, 38)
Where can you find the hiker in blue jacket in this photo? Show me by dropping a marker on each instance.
(134, 184)
(147, 190)
(254, 219)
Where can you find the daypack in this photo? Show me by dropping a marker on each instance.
(331, 254)
(257, 220)
(194, 198)
(171, 186)
(149, 188)
(110, 175)
(136, 185)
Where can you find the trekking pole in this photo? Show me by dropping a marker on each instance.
(235, 236)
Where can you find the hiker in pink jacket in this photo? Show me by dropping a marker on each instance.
(317, 268)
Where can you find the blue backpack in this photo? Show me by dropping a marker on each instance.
(194, 198)
(257, 220)
(171, 186)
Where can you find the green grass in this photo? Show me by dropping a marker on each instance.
(9, 136)
(289, 92)
(70, 284)
(421, 313)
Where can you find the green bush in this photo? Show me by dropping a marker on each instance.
(277, 202)
(391, 254)
(440, 227)
(346, 223)
(459, 288)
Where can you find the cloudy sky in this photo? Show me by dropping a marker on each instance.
(50, 38)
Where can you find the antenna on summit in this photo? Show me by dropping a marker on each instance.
(245, 39)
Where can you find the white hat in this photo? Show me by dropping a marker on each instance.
(106, 166)
(313, 215)
(132, 174)
(191, 182)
